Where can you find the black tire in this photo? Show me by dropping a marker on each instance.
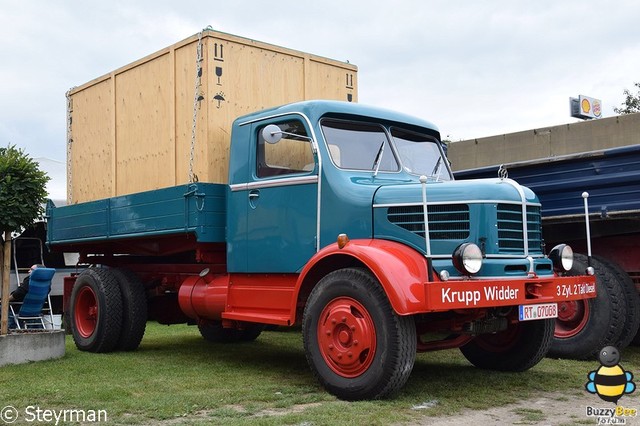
(134, 309)
(518, 348)
(96, 311)
(213, 331)
(631, 300)
(601, 321)
(382, 363)
(66, 323)
(250, 333)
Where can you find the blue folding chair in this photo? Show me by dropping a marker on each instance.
(30, 314)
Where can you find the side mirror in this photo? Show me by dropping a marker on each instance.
(272, 134)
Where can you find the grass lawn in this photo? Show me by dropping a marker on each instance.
(176, 377)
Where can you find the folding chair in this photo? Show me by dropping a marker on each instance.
(30, 312)
(32, 250)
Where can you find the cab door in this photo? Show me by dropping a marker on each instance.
(282, 199)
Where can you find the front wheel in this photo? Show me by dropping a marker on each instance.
(356, 345)
(518, 348)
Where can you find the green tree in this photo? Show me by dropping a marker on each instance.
(631, 103)
(22, 195)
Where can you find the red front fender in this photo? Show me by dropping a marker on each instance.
(401, 270)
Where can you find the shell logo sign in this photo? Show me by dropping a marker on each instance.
(585, 107)
(591, 107)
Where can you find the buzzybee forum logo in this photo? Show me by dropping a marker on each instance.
(610, 382)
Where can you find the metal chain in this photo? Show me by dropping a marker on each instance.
(197, 97)
(69, 142)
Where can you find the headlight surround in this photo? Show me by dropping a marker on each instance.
(562, 257)
(467, 258)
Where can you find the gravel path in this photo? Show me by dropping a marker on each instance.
(548, 409)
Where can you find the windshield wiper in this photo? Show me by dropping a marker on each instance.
(378, 160)
(436, 169)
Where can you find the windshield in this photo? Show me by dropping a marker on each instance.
(359, 146)
(365, 146)
(420, 154)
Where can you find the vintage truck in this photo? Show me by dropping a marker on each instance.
(335, 236)
(342, 218)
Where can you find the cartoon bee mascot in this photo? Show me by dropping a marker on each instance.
(610, 381)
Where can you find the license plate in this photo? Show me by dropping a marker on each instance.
(536, 312)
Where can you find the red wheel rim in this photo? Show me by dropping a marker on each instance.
(572, 318)
(346, 337)
(86, 311)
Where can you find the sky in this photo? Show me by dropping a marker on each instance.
(474, 68)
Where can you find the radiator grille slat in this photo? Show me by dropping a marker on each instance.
(447, 222)
(510, 235)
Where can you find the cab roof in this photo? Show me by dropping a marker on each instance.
(321, 108)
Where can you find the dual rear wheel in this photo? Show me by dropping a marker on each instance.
(108, 310)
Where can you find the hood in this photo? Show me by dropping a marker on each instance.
(461, 191)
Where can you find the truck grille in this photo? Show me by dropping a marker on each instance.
(446, 222)
(510, 237)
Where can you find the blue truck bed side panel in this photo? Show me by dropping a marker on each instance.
(198, 209)
(611, 177)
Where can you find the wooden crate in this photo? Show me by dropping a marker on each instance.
(131, 129)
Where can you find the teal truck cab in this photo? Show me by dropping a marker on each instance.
(339, 217)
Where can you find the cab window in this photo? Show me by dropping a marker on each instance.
(292, 154)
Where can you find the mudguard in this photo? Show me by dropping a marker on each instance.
(401, 270)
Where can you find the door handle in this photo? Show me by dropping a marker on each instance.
(254, 194)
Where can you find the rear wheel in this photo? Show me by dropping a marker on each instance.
(518, 348)
(96, 311)
(583, 327)
(134, 309)
(356, 345)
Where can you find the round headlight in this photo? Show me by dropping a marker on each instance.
(562, 257)
(467, 258)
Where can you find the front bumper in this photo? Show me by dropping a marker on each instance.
(487, 293)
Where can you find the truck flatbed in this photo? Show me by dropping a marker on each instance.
(198, 209)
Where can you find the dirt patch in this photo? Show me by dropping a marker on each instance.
(282, 411)
(268, 412)
(209, 415)
(548, 409)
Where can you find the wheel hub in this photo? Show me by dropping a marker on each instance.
(344, 337)
(86, 312)
(572, 318)
(347, 337)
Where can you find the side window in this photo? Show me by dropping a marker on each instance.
(290, 155)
